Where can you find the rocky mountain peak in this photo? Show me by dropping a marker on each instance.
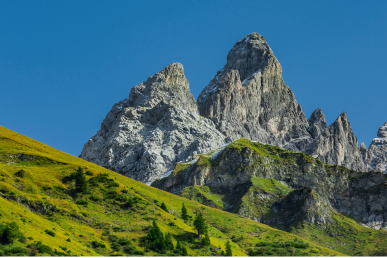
(375, 156)
(250, 58)
(317, 123)
(143, 137)
(169, 85)
(248, 98)
(250, 55)
(382, 131)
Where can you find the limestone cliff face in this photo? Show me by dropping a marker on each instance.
(375, 156)
(336, 144)
(143, 137)
(268, 184)
(248, 98)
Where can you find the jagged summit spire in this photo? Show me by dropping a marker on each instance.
(251, 100)
(169, 85)
(317, 123)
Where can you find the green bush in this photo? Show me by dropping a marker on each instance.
(96, 244)
(82, 202)
(16, 251)
(41, 248)
(49, 232)
(95, 198)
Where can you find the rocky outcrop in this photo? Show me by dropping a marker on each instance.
(169, 86)
(375, 156)
(336, 144)
(143, 137)
(333, 189)
(248, 98)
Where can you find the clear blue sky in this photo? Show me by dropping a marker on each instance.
(63, 64)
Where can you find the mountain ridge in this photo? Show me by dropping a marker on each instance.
(246, 98)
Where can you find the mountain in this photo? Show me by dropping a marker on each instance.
(114, 215)
(291, 191)
(144, 136)
(160, 124)
(375, 156)
(248, 98)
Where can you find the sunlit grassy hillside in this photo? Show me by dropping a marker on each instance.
(114, 215)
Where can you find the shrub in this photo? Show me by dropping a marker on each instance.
(124, 241)
(96, 244)
(129, 249)
(16, 251)
(129, 203)
(41, 248)
(82, 202)
(95, 198)
(49, 232)
(164, 207)
(89, 173)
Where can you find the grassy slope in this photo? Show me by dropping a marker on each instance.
(82, 224)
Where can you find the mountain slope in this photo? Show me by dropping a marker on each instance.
(39, 194)
(290, 191)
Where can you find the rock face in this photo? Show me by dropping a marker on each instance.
(143, 137)
(248, 98)
(375, 156)
(276, 187)
(335, 144)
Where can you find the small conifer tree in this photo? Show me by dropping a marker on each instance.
(164, 207)
(207, 237)
(80, 181)
(184, 213)
(228, 249)
(168, 241)
(184, 251)
(155, 238)
(200, 224)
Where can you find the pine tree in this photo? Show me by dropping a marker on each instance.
(168, 241)
(164, 207)
(80, 181)
(228, 249)
(155, 238)
(184, 251)
(184, 214)
(200, 224)
(208, 241)
(178, 245)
